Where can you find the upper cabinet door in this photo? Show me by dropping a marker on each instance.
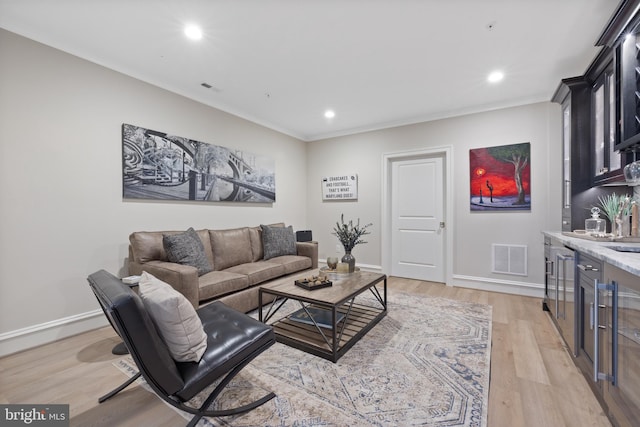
(607, 162)
(622, 36)
(566, 156)
(574, 96)
(628, 56)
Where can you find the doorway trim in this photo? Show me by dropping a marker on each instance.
(446, 153)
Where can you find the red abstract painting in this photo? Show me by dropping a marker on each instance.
(500, 178)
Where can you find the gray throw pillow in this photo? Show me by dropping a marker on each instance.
(278, 241)
(187, 249)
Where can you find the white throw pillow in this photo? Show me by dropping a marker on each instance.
(175, 318)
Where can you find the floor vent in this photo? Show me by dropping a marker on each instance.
(510, 259)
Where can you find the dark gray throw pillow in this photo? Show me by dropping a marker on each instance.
(186, 249)
(278, 241)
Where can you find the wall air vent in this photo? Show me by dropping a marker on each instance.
(208, 86)
(510, 259)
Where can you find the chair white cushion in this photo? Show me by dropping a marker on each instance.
(174, 317)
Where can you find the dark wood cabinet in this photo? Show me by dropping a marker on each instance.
(574, 96)
(622, 37)
(607, 164)
(628, 65)
(601, 118)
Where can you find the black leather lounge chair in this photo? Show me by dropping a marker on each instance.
(233, 340)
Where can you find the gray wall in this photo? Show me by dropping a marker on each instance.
(62, 215)
(473, 232)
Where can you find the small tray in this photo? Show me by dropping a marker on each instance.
(606, 238)
(327, 270)
(581, 234)
(309, 285)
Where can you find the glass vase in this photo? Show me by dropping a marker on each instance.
(332, 262)
(347, 258)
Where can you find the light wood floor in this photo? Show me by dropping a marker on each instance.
(533, 380)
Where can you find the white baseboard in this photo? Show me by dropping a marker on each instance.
(497, 285)
(480, 283)
(33, 336)
(43, 333)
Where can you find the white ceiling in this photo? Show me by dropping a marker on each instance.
(282, 63)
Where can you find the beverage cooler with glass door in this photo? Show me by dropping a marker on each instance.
(560, 289)
(617, 358)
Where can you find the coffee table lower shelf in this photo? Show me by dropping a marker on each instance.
(309, 339)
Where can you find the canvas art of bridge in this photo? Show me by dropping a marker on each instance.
(157, 165)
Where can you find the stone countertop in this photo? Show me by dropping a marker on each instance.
(628, 261)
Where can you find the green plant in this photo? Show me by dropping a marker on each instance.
(613, 205)
(350, 234)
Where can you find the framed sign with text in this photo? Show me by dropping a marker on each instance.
(340, 187)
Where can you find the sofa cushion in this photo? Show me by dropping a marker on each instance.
(175, 318)
(230, 247)
(255, 234)
(147, 246)
(257, 251)
(278, 241)
(206, 243)
(187, 249)
(218, 283)
(258, 272)
(292, 263)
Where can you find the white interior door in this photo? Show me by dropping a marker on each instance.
(417, 219)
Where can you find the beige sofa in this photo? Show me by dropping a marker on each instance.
(236, 256)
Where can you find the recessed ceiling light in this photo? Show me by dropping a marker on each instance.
(329, 114)
(495, 76)
(193, 32)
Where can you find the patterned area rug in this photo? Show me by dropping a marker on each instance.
(426, 363)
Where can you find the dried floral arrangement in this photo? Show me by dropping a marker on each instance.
(350, 234)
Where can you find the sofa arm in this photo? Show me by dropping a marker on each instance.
(309, 249)
(183, 278)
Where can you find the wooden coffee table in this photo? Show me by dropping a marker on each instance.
(347, 319)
